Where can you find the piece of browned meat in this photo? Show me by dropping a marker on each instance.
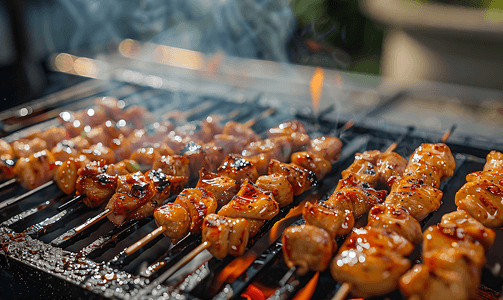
(300, 178)
(238, 168)
(224, 188)
(36, 169)
(279, 187)
(227, 236)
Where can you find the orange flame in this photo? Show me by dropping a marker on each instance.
(308, 291)
(316, 87)
(233, 270)
(279, 226)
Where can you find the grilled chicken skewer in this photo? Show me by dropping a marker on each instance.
(373, 258)
(233, 171)
(461, 238)
(325, 221)
(226, 233)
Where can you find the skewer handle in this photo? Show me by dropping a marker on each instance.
(182, 262)
(145, 240)
(343, 291)
(263, 115)
(287, 276)
(93, 221)
(8, 183)
(71, 202)
(448, 133)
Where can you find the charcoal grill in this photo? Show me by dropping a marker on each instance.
(41, 257)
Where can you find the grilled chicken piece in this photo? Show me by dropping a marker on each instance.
(483, 200)
(197, 156)
(66, 175)
(110, 105)
(240, 131)
(377, 168)
(396, 220)
(53, 136)
(214, 155)
(461, 222)
(372, 261)
(361, 196)
(121, 146)
(26, 147)
(279, 187)
(7, 164)
(335, 221)
(300, 178)
(494, 161)
(98, 135)
(229, 143)
(224, 188)
(279, 148)
(437, 155)
(98, 182)
(133, 190)
(328, 147)
(5, 148)
(255, 226)
(452, 260)
(175, 219)
(227, 236)
(175, 165)
(293, 129)
(251, 202)
(238, 168)
(145, 157)
(99, 152)
(307, 247)
(78, 143)
(63, 152)
(312, 162)
(418, 200)
(135, 114)
(198, 203)
(161, 183)
(35, 170)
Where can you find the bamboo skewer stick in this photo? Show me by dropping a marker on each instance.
(145, 240)
(343, 291)
(8, 183)
(14, 200)
(93, 220)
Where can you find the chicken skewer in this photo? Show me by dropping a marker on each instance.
(317, 237)
(108, 211)
(461, 238)
(232, 172)
(412, 198)
(217, 229)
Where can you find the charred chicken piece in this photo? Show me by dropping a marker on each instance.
(307, 247)
(251, 202)
(197, 157)
(279, 187)
(62, 152)
(397, 220)
(300, 178)
(293, 129)
(438, 156)
(133, 191)
(312, 162)
(238, 168)
(334, 220)
(224, 188)
(53, 136)
(418, 200)
(227, 236)
(175, 165)
(198, 203)
(98, 182)
(279, 148)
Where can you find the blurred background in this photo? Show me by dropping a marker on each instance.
(442, 57)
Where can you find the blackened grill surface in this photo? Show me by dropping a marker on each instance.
(93, 264)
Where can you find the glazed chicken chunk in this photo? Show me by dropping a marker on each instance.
(417, 200)
(494, 161)
(251, 202)
(307, 247)
(99, 152)
(328, 147)
(300, 178)
(27, 147)
(6, 149)
(66, 175)
(198, 203)
(174, 165)
(312, 162)
(227, 236)
(279, 187)
(238, 168)
(35, 170)
(224, 188)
